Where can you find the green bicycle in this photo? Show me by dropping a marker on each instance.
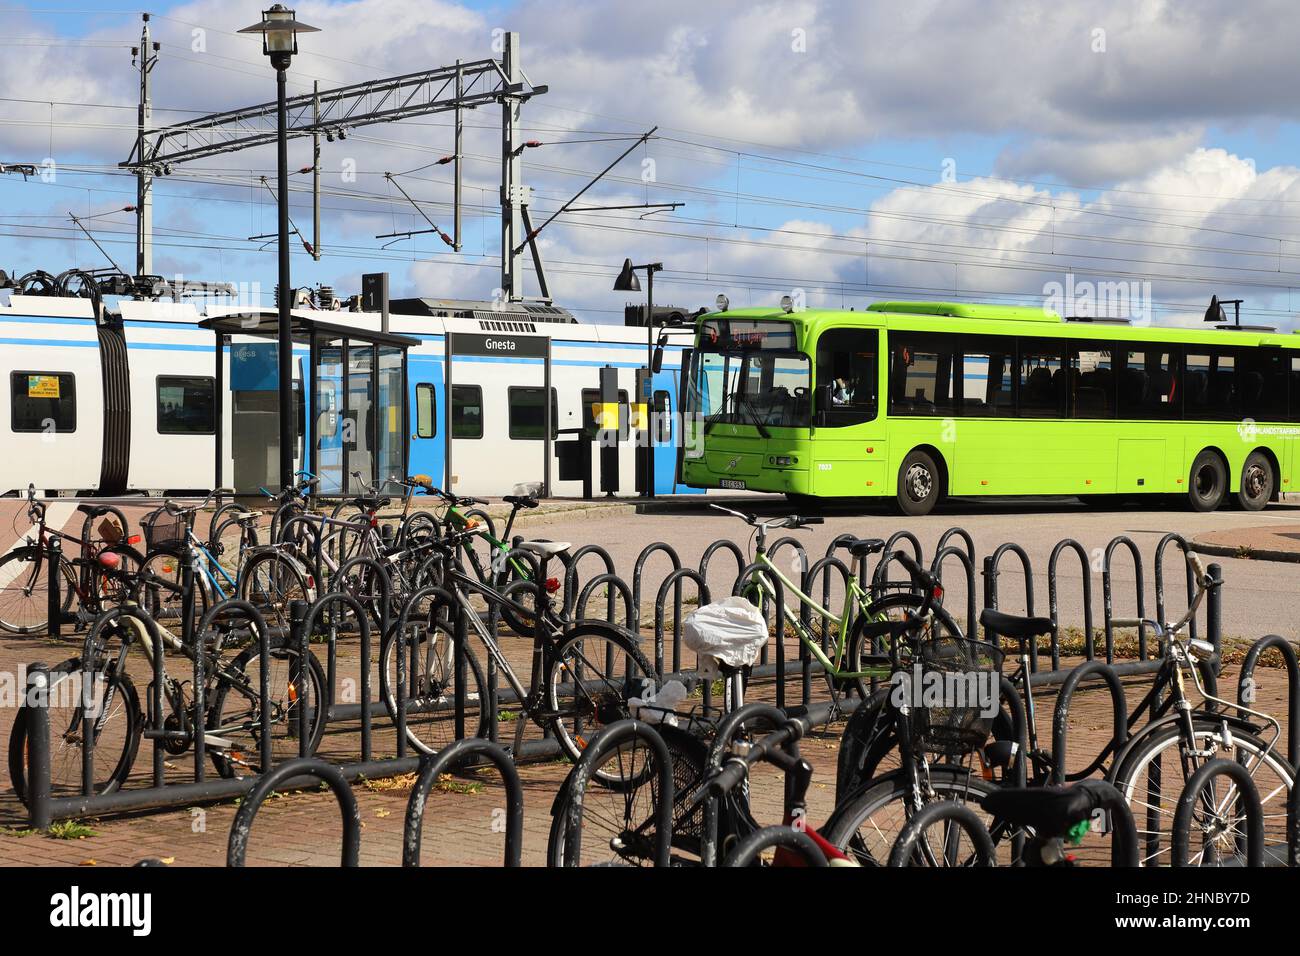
(853, 647)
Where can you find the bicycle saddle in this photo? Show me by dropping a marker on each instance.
(545, 548)
(1014, 626)
(371, 502)
(521, 501)
(1049, 811)
(862, 547)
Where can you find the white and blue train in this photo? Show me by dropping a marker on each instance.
(131, 398)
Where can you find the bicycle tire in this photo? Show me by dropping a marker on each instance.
(65, 771)
(158, 588)
(609, 702)
(858, 651)
(428, 736)
(892, 792)
(38, 597)
(249, 757)
(1134, 769)
(272, 590)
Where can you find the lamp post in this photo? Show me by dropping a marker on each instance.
(627, 281)
(279, 30)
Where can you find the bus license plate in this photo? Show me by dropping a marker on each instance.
(733, 483)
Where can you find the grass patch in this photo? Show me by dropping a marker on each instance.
(69, 830)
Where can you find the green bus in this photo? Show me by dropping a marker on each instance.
(919, 400)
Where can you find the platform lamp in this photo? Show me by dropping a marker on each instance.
(279, 29)
(627, 281)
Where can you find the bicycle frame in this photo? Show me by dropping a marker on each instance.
(854, 599)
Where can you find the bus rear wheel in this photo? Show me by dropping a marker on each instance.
(920, 483)
(1208, 482)
(1257, 482)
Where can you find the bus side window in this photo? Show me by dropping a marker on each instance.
(847, 372)
(1042, 379)
(1209, 385)
(1092, 381)
(983, 376)
(1261, 383)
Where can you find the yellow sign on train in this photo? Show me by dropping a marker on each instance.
(42, 386)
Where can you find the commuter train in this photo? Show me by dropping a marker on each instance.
(103, 400)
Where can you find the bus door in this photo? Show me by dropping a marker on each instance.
(849, 452)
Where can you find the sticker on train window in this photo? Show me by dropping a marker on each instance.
(42, 386)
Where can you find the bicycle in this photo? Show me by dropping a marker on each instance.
(267, 576)
(98, 576)
(853, 659)
(232, 720)
(584, 671)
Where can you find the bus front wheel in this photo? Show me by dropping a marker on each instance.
(920, 483)
(1208, 482)
(1257, 482)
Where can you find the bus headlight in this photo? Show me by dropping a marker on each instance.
(782, 461)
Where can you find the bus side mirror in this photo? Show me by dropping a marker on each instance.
(657, 363)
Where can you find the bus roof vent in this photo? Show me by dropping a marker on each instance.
(1099, 319)
(966, 310)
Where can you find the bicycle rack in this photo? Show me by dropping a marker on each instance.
(295, 770)
(946, 812)
(454, 755)
(617, 587)
(1061, 716)
(1053, 607)
(966, 538)
(304, 630)
(1132, 548)
(674, 581)
(819, 569)
(638, 570)
(722, 544)
(936, 568)
(609, 738)
(774, 605)
(879, 578)
(1248, 799)
(788, 838)
(1158, 564)
(313, 529)
(441, 599)
(991, 572)
(1245, 683)
(571, 573)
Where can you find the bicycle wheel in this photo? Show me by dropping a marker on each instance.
(868, 823)
(234, 715)
(117, 728)
(1156, 768)
(158, 589)
(618, 826)
(891, 607)
(430, 685)
(270, 581)
(231, 539)
(590, 676)
(25, 592)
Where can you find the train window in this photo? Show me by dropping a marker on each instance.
(43, 402)
(528, 414)
(426, 411)
(466, 411)
(591, 423)
(185, 405)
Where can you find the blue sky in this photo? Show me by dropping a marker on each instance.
(853, 151)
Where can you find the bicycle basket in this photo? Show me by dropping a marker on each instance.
(953, 688)
(163, 530)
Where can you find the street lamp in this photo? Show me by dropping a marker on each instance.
(627, 281)
(280, 29)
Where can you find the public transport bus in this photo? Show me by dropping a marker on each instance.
(919, 400)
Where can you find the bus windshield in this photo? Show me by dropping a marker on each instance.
(748, 373)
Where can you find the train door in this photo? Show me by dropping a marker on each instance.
(426, 397)
(501, 413)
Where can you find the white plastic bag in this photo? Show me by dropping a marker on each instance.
(656, 706)
(731, 630)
